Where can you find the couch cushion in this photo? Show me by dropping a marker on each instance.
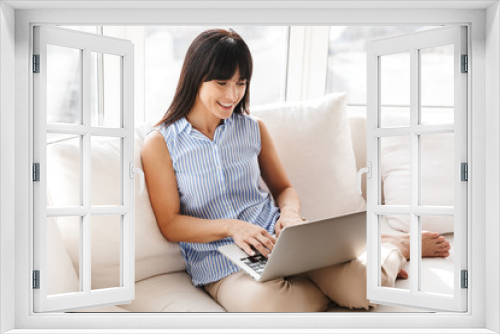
(313, 141)
(172, 292)
(154, 254)
(436, 176)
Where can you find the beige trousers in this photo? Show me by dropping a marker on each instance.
(343, 284)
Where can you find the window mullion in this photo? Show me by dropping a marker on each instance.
(415, 243)
(85, 179)
(294, 84)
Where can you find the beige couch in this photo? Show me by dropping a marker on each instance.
(321, 149)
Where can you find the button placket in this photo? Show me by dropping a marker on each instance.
(222, 180)
(218, 165)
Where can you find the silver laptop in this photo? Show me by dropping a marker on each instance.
(305, 247)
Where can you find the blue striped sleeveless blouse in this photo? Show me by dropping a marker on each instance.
(218, 179)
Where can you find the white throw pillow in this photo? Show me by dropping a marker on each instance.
(313, 141)
(153, 253)
(436, 172)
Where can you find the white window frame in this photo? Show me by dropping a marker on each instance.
(413, 44)
(86, 44)
(483, 145)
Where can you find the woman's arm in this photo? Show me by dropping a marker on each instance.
(274, 175)
(164, 197)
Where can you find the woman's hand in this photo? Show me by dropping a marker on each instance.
(288, 217)
(247, 235)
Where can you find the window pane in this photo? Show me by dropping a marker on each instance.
(60, 263)
(106, 171)
(437, 276)
(269, 51)
(386, 250)
(347, 57)
(165, 48)
(106, 251)
(105, 90)
(395, 90)
(437, 84)
(395, 169)
(63, 170)
(64, 85)
(437, 169)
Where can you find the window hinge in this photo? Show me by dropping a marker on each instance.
(36, 172)
(464, 172)
(465, 64)
(465, 279)
(36, 63)
(36, 279)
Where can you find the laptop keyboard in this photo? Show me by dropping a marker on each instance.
(256, 262)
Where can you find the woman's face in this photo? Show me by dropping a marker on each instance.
(220, 97)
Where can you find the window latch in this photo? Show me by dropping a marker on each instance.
(139, 171)
(368, 171)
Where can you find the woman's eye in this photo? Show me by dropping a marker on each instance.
(242, 84)
(221, 83)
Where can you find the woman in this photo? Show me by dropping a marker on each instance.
(203, 164)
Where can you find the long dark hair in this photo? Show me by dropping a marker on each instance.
(214, 54)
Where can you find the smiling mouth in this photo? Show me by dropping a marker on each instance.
(229, 105)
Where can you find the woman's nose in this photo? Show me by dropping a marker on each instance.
(232, 92)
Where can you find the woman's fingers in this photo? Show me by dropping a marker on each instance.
(263, 243)
(267, 241)
(247, 249)
(268, 236)
(277, 228)
(249, 236)
(259, 246)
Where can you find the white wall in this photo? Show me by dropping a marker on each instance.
(7, 160)
(492, 165)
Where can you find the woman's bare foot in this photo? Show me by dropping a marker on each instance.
(433, 245)
(402, 274)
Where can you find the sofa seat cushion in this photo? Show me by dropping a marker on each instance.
(171, 292)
